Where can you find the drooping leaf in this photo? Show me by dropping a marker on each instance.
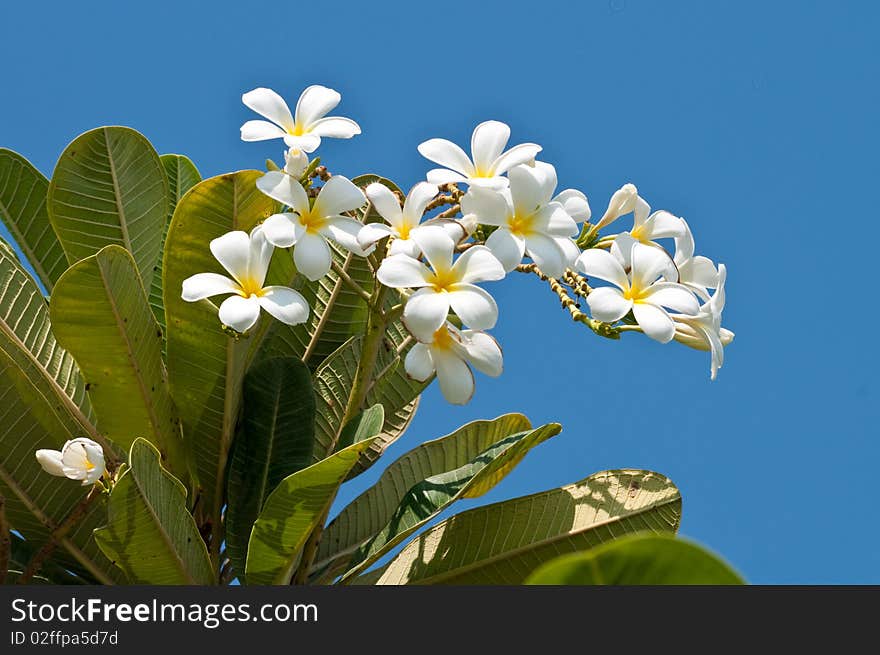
(205, 365)
(150, 535)
(290, 514)
(23, 192)
(503, 542)
(100, 313)
(639, 559)
(372, 511)
(430, 496)
(182, 175)
(275, 438)
(109, 187)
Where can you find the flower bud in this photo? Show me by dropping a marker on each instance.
(622, 202)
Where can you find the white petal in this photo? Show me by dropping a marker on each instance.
(575, 204)
(270, 105)
(488, 205)
(674, 296)
(405, 247)
(608, 304)
(621, 249)
(455, 378)
(569, 249)
(521, 154)
(653, 321)
(402, 271)
(662, 225)
(370, 233)
(554, 221)
(603, 265)
(260, 256)
(418, 363)
(285, 304)
(312, 257)
(344, 230)
(496, 182)
(474, 306)
(508, 248)
(546, 175)
(649, 263)
(640, 210)
(417, 200)
(526, 190)
(232, 250)
(546, 254)
(445, 176)
(703, 272)
(314, 103)
(338, 195)
(239, 313)
(487, 143)
(425, 312)
(282, 230)
(478, 264)
(295, 162)
(205, 285)
(305, 142)
(684, 245)
(483, 352)
(335, 127)
(436, 245)
(448, 155)
(285, 189)
(51, 462)
(261, 131)
(456, 230)
(386, 203)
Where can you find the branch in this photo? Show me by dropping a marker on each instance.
(450, 213)
(322, 323)
(439, 201)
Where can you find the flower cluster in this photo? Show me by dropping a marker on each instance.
(510, 211)
(79, 459)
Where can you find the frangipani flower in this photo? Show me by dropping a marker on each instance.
(302, 130)
(490, 161)
(246, 259)
(529, 220)
(622, 202)
(402, 223)
(448, 352)
(639, 291)
(295, 162)
(79, 459)
(309, 227)
(444, 285)
(704, 331)
(698, 273)
(648, 227)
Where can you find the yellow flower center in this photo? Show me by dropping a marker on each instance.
(89, 465)
(442, 338)
(404, 231)
(520, 225)
(250, 287)
(312, 222)
(442, 280)
(635, 294)
(638, 233)
(297, 130)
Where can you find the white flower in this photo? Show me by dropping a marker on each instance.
(402, 223)
(660, 225)
(704, 331)
(295, 162)
(639, 290)
(698, 273)
(448, 352)
(79, 459)
(444, 285)
(304, 129)
(308, 228)
(622, 202)
(530, 220)
(489, 163)
(246, 259)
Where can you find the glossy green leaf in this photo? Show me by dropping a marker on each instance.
(640, 559)
(275, 438)
(182, 175)
(23, 192)
(372, 511)
(150, 535)
(109, 187)
(100, 313)
(503, 543)
(290, 514)
(366, 424)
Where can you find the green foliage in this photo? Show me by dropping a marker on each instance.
(109, 187)
(150, 535)
(638, 560)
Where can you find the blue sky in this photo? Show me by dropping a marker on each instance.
(755, 121)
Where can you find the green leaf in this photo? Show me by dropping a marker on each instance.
(109, 187)
(275, 438)
(372, 511)
(100, 313)
(290, 514)
(640, 559)
(205, 365)
(150, 535)
(21, 553)
(434, 494)
(366, 424)
(502, 543)
(182, 175)
(23, 192)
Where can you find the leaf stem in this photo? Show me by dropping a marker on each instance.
(343, 274)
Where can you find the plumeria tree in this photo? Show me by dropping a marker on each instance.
(212, 359)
